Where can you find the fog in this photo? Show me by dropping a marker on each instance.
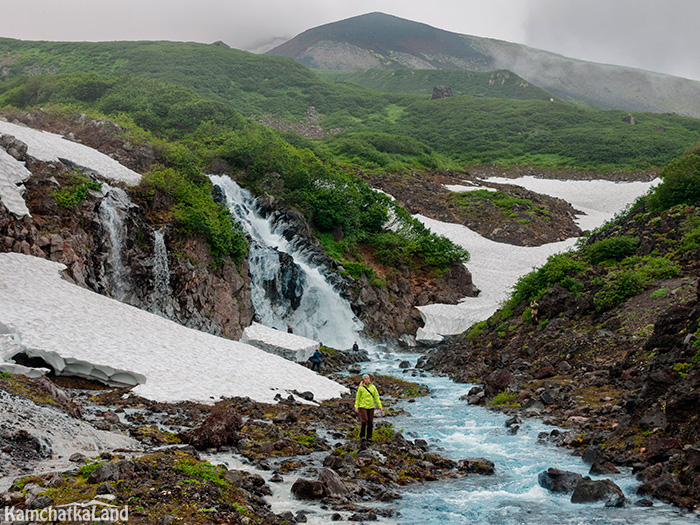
(649, 34)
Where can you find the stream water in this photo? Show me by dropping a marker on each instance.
(457, 430)
(451, 426)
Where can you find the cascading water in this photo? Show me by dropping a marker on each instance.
(286, 288)
(159, 300)
(112, 210)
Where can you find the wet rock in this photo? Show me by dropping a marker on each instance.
(603, 468)
(589, 491)
(404, 364)
(515, 420)
(77, 457)
(363, 516)
(285, 417)
(476, 466)
(332, 484)
(561, 481)
(308, 489)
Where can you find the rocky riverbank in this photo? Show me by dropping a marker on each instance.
(621, 380)
(157, 470)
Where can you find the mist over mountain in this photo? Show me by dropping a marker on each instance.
(381, 41)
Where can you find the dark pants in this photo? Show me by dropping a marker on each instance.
(316, 366)
(366, 422)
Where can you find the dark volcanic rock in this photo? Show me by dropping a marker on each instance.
(556, 480)
(589, 491)
(219, 429)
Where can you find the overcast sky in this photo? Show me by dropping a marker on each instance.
(658, 35)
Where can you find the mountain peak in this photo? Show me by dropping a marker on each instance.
(381, 41)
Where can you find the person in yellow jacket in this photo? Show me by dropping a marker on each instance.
(365, 400)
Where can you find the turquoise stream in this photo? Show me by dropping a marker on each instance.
(458, 430)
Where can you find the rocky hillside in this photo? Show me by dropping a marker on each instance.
(380, 41)
(206, 296)
(502, 213)
(610, 351)
(204, 292)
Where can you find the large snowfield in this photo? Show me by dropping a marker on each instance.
(72, 327)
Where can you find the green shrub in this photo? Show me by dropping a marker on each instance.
(202, 470)
(505, 398)
(76, 191)
(661, 292)
(476, 330)
(632, 279)
(88, 469)
(681, 183)
(612, 249)
(195, 212)
(559, 269)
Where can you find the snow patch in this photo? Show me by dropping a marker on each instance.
(599, 200)
(49, 147)
(290, 346)
(12, 177)
(84, 333)
(460, 188)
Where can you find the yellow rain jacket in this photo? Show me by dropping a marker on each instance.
(367, 396)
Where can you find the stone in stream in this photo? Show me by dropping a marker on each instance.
(561, 481)
(588, 491)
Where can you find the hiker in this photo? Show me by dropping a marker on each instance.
(365, 400)
(534, 309)
(355, 348)
(316, 360)
(289, 330)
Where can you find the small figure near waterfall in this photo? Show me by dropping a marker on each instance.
(355, 348)
(289, 330)
(316, 360)
(366, 399)
(534, 310)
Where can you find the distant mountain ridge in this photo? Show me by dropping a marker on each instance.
(381, 41)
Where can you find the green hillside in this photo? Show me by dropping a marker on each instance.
(190, 83)
(495, 84)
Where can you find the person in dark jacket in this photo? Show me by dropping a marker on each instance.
(355, 348)
(289, 330)
(366, 399)
(316, 361)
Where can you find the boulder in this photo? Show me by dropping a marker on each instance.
(476, 466)
(308, 489)
(220, 429)
(121, 470)
(498, 381)
(333, 486)
(561, 481)
(590, 491)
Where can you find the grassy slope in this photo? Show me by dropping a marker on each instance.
(448, 132)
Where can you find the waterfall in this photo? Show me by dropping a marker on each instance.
(112, 210)
(159, 301)
(286, 288)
